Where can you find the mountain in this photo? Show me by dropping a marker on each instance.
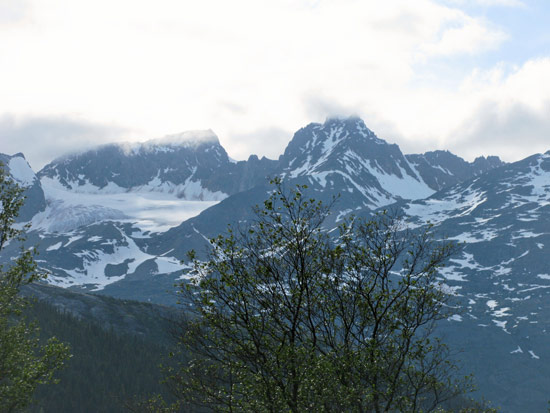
(440, 169)
(20, 171)
(344, 155)
(503, 220)
(120, 218)
(501, 277)
(192, 166)
(340, 159)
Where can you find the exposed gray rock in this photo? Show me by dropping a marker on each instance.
(440, 169)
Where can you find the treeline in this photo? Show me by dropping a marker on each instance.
(107, 370)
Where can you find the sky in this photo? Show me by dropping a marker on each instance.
(469, 76)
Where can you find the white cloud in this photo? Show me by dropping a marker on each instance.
(506, 3)
(252, 70)
(514, 131)
(487, 3)
(43, 138)
(470, 37)
(12, 11)
(265, 140)
(510, 111)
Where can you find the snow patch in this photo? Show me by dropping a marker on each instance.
(501, 324)
(149, 210)
(96, 261)
(502, 312)
(167, 265)
(54, 247)
(451, 274)
(21, 171)
(518, 350)
(71, 240)
(405, 187)
(453, 205)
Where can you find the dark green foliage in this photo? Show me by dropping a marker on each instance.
(108, 368)
(285, 317)
(24, 362)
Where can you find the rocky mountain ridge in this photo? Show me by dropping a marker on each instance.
(441, 169)
(194, 166)
(191, 166)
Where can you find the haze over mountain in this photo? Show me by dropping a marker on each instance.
(119, 219)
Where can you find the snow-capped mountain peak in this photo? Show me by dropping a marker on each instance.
(345, 153)
(319, 140)
(177, 164)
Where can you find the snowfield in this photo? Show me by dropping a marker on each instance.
(152, 211)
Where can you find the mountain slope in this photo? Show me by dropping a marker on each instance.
(440, 169)
(191, 166)
(180, 164)
(501, 277)
(117, 348)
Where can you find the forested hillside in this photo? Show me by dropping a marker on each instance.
(109, 367)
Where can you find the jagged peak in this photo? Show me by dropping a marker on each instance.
(330, 133)
(446, 154)
(489, 160)
(440, 152)
(350, 124)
